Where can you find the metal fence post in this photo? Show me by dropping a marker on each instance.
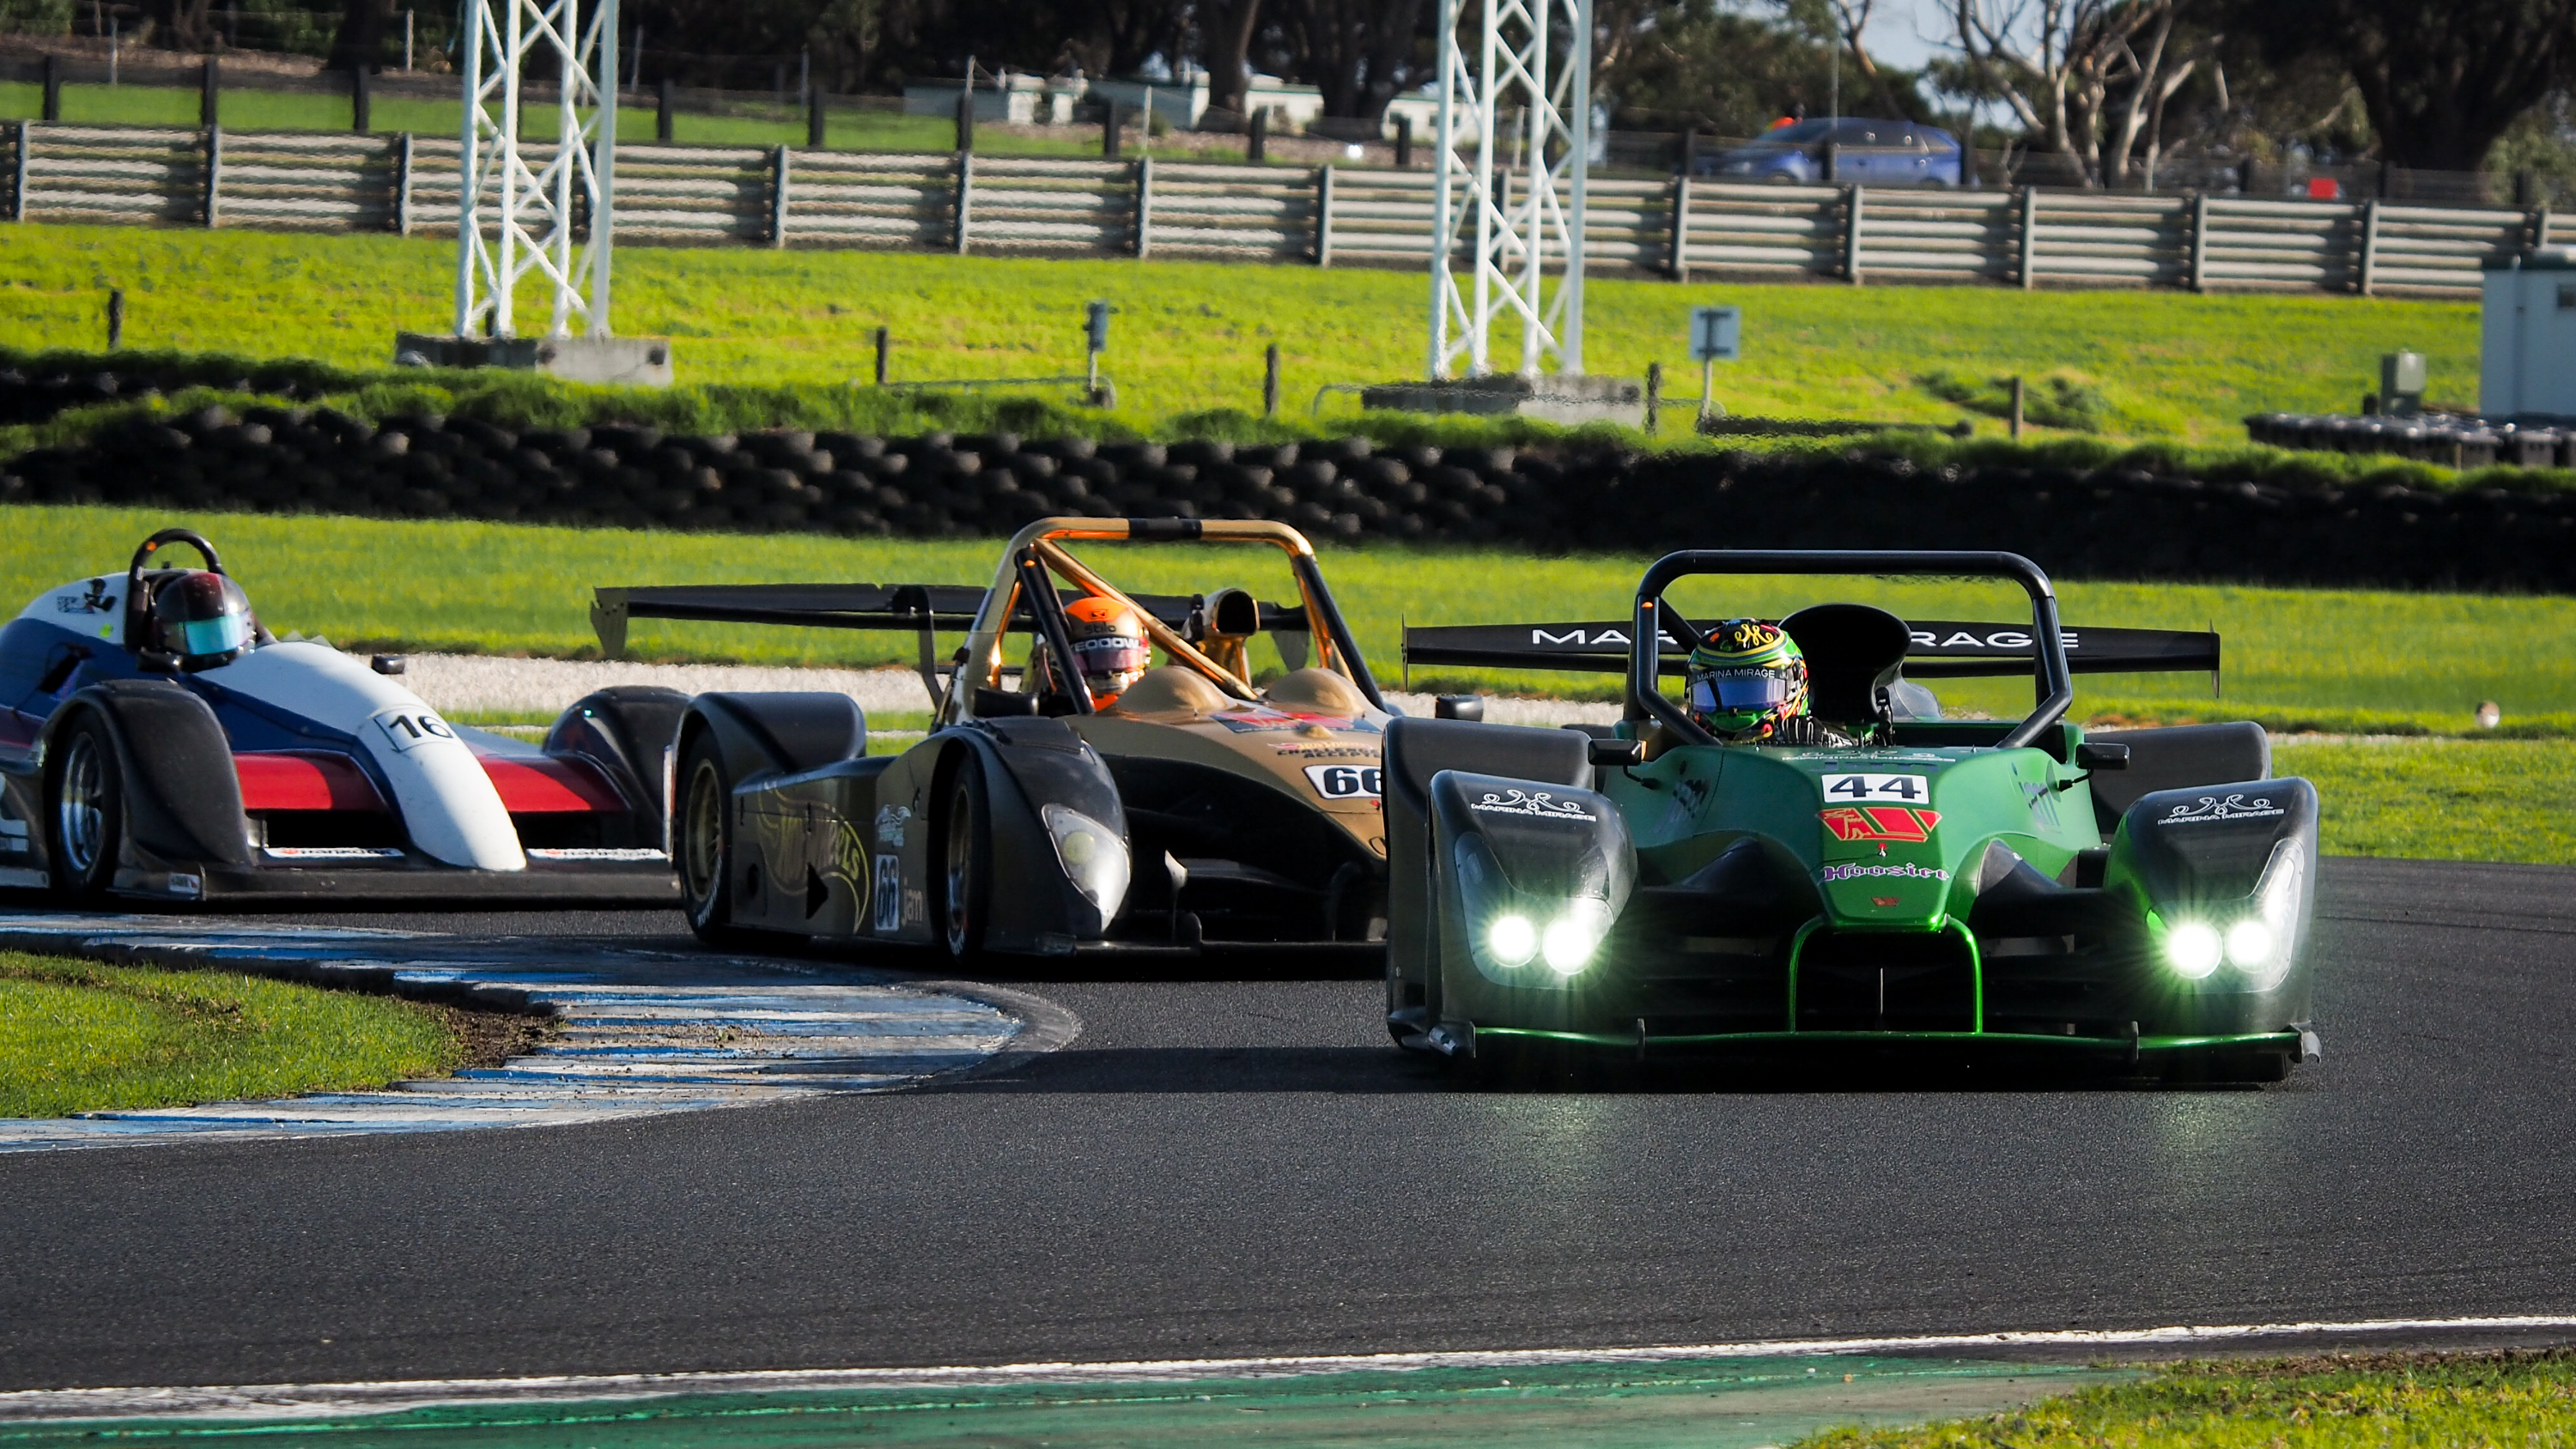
(1851, 234)
(965, 195)
(814, 118)
(2200, 241)
(2369, 245)
(2539, 219)
(214, 169)
(1681, 227)
(1144, 206)
(2029, 235)
(778, 197)
(402, 184)
(966, 116)
(1324, 218)
(210, 96)
(18, 192)
(53, 90)
(662, 117)
(361, 100)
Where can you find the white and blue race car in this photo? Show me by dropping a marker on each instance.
(157, 743)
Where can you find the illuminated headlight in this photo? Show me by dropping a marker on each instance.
(1512, 939)
(2193, 949)
(1570, 939)
(1093, 857)
(2262, 945)
(2250, 945)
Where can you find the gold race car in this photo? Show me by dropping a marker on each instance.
(1198, 809)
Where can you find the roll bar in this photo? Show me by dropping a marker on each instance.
(2052, 683)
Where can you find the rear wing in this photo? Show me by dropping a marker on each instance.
(1943, 649)
(918, 607)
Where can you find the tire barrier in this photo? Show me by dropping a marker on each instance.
(2447, 439)
(38, 393)
(2107, 523)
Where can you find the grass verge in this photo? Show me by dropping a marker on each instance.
(2443, 800)
(77, 1036)
(1189, 336)
(2327, 1402)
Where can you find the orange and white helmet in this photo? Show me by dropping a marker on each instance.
(1109, 645)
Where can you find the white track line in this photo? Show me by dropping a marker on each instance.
(640, 1032)
(310, 1401)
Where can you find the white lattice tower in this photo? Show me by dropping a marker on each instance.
(522, 202)
(1530, 83)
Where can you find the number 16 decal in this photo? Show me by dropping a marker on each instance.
(409, 729)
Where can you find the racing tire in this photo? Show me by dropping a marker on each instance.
(702, 840)
(84, 810)
(966, 862)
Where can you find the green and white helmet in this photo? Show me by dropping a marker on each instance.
(1745, 680)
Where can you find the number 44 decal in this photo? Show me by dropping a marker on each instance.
(1902, 789)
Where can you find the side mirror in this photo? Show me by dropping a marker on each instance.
(1459, 706)
(1609, 754)
(389, 663)
(2102, 757)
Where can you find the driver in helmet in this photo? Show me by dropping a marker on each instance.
(1746, 683)
(1109, 647)
(200, 617)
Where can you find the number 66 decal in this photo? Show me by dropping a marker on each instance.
(408, 729)
(1346, 782)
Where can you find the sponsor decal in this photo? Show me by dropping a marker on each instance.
(1329, 752)
(1576, 638)
(345, 852)
(96, 601)
(409, 729)
(1903, 789)
(1542, 803)
(1993, 639)
(1883, 901)
(2211, 807)
(1261, 719)
(886, 901)
(1346, 782)
(2042, 799)
(893, 823)
(916, 906)
(1846, 755)
(13, 835)
(1880, 822)
(189, 886)
(1906, 871)
(591, 852)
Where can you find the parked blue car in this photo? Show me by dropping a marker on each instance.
(1870, 152)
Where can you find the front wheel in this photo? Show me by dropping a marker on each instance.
(966, 848)
(84, 810)
(702, 839)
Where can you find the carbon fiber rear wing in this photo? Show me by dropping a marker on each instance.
(910, 607)
(1943, 649)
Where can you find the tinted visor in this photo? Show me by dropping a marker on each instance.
(1733, 690)
(214, 636)
(1110, 655)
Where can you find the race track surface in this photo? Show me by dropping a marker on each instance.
(1238, 1167)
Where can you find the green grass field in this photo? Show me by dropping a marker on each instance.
(76, 1036)
(1190, 335)
(848, 128)
(2519, 1398)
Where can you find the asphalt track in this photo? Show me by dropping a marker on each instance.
(1243, 1167)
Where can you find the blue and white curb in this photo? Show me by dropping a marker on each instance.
(640, 1031)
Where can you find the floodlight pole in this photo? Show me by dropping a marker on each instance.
(519, 206)
(1533, 57)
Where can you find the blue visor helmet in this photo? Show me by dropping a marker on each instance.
(203, 618)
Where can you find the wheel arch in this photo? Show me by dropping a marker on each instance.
(182, 795)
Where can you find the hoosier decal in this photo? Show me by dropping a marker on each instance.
(1904, 870)
(1880, 822)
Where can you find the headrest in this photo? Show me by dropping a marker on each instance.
(1315, 691)
(1853, 652)
(1168, 690)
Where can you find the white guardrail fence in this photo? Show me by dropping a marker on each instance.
(790, 197)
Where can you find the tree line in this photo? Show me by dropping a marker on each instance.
(2115, 86)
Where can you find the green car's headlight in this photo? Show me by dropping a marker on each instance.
(1524, 937)
(2193, 949)
(2257, 938)
(1572, 938)
(1512, 939)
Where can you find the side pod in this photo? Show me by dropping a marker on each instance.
(1045, 786)
(777, 734)
(1417, 750)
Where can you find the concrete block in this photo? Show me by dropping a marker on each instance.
(609, 361)
(1549, 397)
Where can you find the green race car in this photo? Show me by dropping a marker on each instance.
(2138, 898)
